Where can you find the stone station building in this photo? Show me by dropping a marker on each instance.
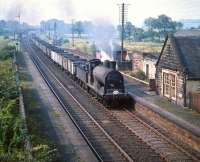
(178, 67)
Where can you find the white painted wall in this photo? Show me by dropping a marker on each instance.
(152, 68)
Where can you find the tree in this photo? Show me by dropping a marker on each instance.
(129, 28)
(178, 25)
(138, 34)
(164, 25)
(150, 23)
(161, 26)
(2, 26)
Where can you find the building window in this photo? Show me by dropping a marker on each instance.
(169, 85)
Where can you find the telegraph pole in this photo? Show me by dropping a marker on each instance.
(123, 12)
(49, 28)
(19, 30)
(55, 33)
(73, 33)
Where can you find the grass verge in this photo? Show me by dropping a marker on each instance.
(44, 147)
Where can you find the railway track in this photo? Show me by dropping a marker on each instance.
(102, 145)
(134, 139)
(159, 139)
(107, 136)
(153, 136)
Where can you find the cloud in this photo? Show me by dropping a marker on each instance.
(33, 11)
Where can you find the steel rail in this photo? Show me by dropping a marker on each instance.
(82, 107)
(167, 139)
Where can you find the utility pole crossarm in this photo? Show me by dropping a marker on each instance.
(123, 12)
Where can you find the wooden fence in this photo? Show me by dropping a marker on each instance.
(195, 101)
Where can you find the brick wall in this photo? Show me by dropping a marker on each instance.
(137, 61)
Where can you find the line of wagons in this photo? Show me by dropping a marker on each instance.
(100, 79)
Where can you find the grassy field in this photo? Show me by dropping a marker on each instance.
(144, 46)
(85, 46)
(82, 45)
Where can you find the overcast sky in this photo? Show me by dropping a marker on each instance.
(33, 11)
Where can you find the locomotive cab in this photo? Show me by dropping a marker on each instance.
(91, 65)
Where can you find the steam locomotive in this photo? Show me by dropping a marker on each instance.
(102, 80)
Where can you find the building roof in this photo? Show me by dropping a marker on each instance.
(187, 47)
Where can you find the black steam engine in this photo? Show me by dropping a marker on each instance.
(100, 79)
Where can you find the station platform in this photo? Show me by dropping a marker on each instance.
(187, 115)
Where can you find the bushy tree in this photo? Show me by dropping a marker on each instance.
(138, 34)
(161, 26)
(129, 29)
(7, 52)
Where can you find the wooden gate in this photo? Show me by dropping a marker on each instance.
(195, 101)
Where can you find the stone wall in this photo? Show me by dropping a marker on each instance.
(175, 130)
(137, 61)
(171, 62)
(192, 86)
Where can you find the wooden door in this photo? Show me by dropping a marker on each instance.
(169, 85)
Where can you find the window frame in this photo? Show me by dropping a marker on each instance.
(172, 83)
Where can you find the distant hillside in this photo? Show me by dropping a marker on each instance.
(189, 23)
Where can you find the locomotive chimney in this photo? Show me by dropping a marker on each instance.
(110, 64)
(106, 63)
(113, 65)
